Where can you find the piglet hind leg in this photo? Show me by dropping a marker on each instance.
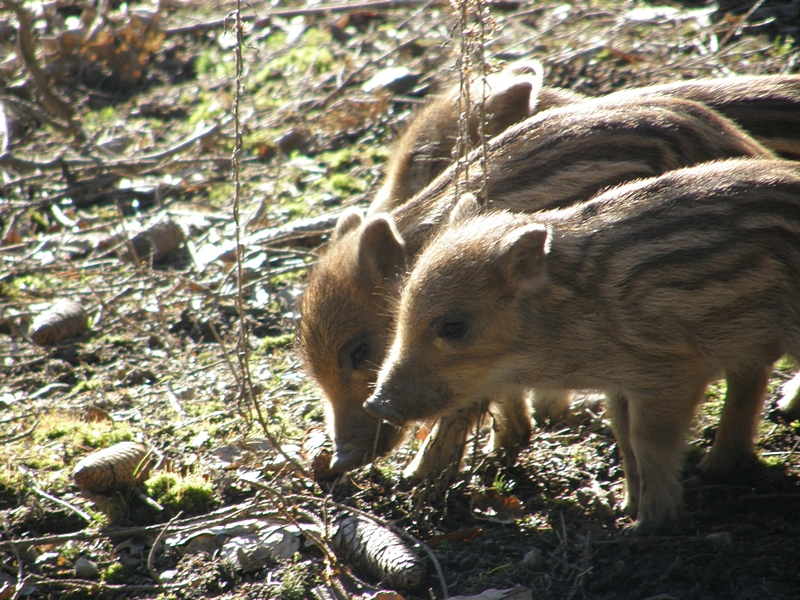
(621, 425)
(550, 405)
(733, 443)
(511, 424)
(658, 423)
(789, 404)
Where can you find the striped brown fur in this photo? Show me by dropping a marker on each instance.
(648, 292)
(566, 155)
(548, 160)
(427, 146)
(765, 106)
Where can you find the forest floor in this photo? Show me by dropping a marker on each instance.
(116, 119)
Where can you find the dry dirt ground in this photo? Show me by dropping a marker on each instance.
(114, 118)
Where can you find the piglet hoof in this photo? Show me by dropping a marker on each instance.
(720, 467)
(506, 456)
(630, 507)
(678, 524)
(788, 408)
(506, 450)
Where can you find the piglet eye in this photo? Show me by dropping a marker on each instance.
(359, 355)
(453, 330)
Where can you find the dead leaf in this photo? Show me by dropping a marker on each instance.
(493, 506)
(462, 535)
(515, 593)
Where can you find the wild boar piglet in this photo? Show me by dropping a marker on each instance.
(648, 292)
(430, 143)
(554, 159)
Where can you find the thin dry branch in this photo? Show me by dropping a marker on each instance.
(133, 165)
(264, 21)
(27, 48)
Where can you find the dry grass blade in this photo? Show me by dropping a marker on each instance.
(378, 552)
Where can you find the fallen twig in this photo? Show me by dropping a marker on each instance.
(20, 436)
(132, 165)
(151, 554)
(86, 517)
(187, 525)
(35, 111)
(20, 568)
(261, 22)
(51, 102)
(95, 586)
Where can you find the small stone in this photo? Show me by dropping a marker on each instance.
(617, 568)
(721, 539)
(168, 576)
(532, 558)
(8, 586)
(86, 569)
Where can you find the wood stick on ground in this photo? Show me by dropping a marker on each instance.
(27, 47)
(261, 22)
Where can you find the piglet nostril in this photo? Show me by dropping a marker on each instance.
(380, 407)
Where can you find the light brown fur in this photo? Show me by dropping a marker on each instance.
(765, 106)
(550, 160)
(428, 146)
(649, 292)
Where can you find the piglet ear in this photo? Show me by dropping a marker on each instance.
(381, 249)
(349, 221)
(507, 106)
(521, 255)
(466, 208)
(511, 96)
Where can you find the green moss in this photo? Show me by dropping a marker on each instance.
(783, 46)
(12, 484)
(773, 460)
(295, 208)
(209, 107)
(200, 409)
(309, 53)
(221, 194)
(98, 438)
(92, 384)
(269, 344)
(715, 400)
(786, 363)
(99, 120)
(192, 494)
(204, 64)
(295, 581)
(33, 281)
(288, 278)
(114, 573)
(345, 185)
(215, 63)
(76, 436)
